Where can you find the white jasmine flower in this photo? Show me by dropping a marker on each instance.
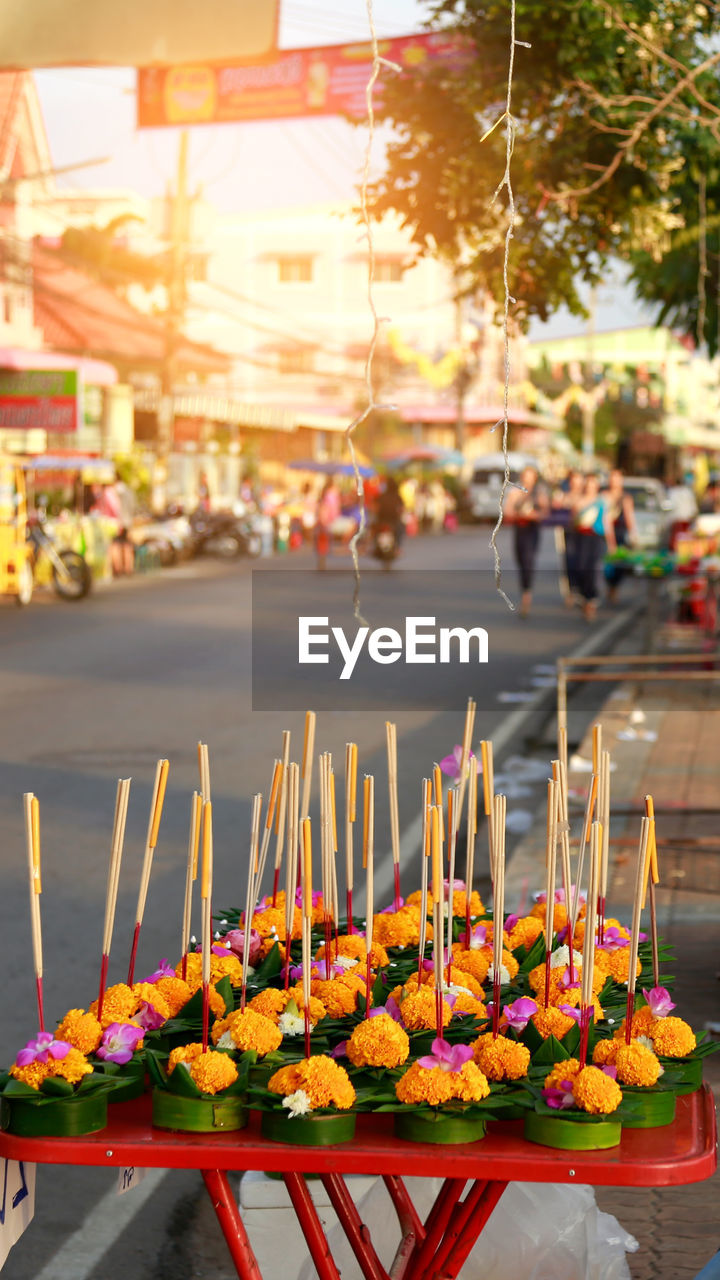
(297, 1103)
(345, 962)
(560, 958)
(226, 1041)
(504, 975)
(291, 1024)
(456, 990)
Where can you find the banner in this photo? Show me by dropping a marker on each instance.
(38, 398)
(331, 80)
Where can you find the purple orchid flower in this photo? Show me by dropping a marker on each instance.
(510, 922)
(613, 939)
(393, 1008)
(565, 982)
(571, 1011)
(445, 1056)
(317, 895)
(340, 1049)
(659, 1001)
(450, 765)
(119, 1042)
(476, 939)
(164, 970)
(46, 1046)
(560, 1098)
(395, 905)
(609, 1071)
(148, 1017)
(519, 1013)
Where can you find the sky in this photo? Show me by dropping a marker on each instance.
(90, 113)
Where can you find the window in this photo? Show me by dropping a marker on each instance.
(295, 270)
(388, 270)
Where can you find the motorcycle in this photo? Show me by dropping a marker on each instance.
(71, 574)
(223, 534)
(384, 544)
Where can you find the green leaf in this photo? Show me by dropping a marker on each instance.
(56, 1087)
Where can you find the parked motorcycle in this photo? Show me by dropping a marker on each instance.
(71, 574)
(223, 534)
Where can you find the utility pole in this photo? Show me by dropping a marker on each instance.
(589, 398)
(179, 228)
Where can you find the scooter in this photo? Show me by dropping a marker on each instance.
(223, 534)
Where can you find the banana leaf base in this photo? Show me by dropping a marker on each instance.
(197, 1115)
(55, 1117)
(650, 1110)
(441, 1128)
(310, 1130)
(571, 1135)
(688, 1076)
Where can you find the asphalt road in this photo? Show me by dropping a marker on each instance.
(100, 690)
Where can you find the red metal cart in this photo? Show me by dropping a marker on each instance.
(432, 1250)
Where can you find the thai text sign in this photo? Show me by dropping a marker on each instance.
(331, 80)
(47, 399)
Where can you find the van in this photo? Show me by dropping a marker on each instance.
(485, 487)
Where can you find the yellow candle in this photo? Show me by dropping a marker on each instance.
(159, 801)
(274, 785)
(436, 872)
(307, 869)
(35, 827)
(206, 849)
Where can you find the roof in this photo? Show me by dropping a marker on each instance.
(81, 315)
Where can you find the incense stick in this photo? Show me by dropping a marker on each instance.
(293, 836)
(369, 843)
(251, 888)
(635, 929)
(486, 752)
(452, 829)
(436, 817)
(190, 875)
(604, 820)
(350, 814)
(651, 880)
(156, 808)
(588, 963)
(470, 847)
(426, 793)
(499, 810)
(118, 837)
(32, 845)
(267, 829)
(307, 909)
(391, 739)
(307, 763)
(465, 755)
(204, 766)
(206, 922)
(280, 813)
(553, 806)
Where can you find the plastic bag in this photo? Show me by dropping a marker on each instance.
(538, 1231)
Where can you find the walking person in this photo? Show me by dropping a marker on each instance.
(328, 510)
(620, 528)
(526, 507)
(590, 529)
(567, 502)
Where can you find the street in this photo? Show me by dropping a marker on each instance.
(144, 670)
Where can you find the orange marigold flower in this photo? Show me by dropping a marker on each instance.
(245, 1029)
(596, 1092)
(33, 1074)
(566, 1070)
(220, 967)
(378, 1042)
(317, 1009)
(460, 903)
(572, 998)
(337, 997)
(525, 932)
(501, 1058)
(435, 1086)
(270, 922)
(469, 1004)
(325, 1082)
(618, 964)
(71, 1068)
(642, 1024)
(175, 992)
(184, 1053)
(119, 1004)
(353, 946)
(475, 962)
(559, 915)
(396, 928)
(213, 1071)
(149, 992)
(636, 1064)
(605, 1052)
(419, 1010)
(270, 1003)
(267, 945)
(552, 1022)
(80, 1029)
(673, 1038)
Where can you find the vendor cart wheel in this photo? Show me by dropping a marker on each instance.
(25, 585)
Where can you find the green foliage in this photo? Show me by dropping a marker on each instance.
(100, 252)
(578, 92)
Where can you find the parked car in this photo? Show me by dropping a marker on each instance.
(483, 494)
(653, 511)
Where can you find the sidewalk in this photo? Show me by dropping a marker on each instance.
(677, 761)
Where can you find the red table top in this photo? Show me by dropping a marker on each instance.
(678, 1153)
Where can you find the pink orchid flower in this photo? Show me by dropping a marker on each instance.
(565, 982)
(571, 1012)
(394, 906)
(119, 1042)
(560, 1098)
(659, 1001)
(446, 1057)
(164, 970)
(235, 938)
(41, 1049)
(476, 940)
(613, 939)
(518, 1014)
(450, 765)
(148, 1017)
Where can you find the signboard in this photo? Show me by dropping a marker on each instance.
(38, 398)
(331, 80)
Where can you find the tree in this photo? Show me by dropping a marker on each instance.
(100, 252)
(602, 105)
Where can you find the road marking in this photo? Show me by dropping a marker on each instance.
(82, 1251)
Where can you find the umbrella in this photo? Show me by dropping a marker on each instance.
(331, 468)
(65, 462)
(430, 455)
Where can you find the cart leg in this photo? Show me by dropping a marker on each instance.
(353, 1226)
(436, 1225)
(311, 1226)
(465, 1230)
(411, 1225)
(233, 1227)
